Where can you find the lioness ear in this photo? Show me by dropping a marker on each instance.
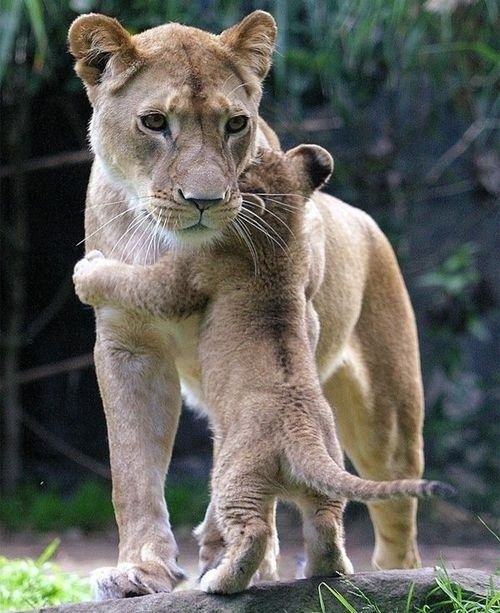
(252, 40)
(315, 162)
(94, 40)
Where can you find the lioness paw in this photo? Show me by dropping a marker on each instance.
(129, 580)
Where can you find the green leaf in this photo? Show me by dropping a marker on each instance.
(340, 598)
(9, 27)
(35, 12)
(48, 552)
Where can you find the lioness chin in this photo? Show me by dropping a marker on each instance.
(175, 123)
(279, 440)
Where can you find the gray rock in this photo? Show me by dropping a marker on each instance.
(387, 589)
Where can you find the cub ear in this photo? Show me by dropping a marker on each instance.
(252, 41)
(314, 161)
(94, 40)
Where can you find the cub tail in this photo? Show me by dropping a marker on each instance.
(311, 465)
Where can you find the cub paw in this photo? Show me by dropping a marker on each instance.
(86, 277)
(221, 581)
(130, 580)
(210, 556)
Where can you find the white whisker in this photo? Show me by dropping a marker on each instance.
(104, 225)
(152, 241)
(258, 221)
(132, 227)
(285, 205)
(146, 227)
(247, 240)
(271, 239)
(274, 215)
(285, 194)
(111, 202)
(237, 87)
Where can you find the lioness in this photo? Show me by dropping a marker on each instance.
(274, 436)
(175, 123)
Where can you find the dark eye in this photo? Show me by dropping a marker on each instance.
(154, 121)
(236, 124)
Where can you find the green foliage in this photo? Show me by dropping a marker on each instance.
(447, 596)
(24, 39)
(457, 273)
(455, 283)
(187, 502)
(38, 583)
(90, 507)
(459, 431)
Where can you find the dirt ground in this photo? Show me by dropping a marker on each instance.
(457, 540)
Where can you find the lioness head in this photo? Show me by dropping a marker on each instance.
(175, 112)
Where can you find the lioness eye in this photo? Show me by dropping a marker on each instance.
(236, 124)
(154, 121)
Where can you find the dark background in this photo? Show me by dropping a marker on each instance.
(405, 97)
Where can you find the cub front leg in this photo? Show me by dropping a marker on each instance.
(210, 542)
(141, 395)
(89, 278)
(213, 547)
(165, 289)
(246, 533)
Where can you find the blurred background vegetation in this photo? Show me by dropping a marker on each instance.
(404, 93)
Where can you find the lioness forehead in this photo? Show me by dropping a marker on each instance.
(193, 61)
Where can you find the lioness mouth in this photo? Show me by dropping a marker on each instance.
(196, 227)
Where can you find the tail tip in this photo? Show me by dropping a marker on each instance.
(440, 489)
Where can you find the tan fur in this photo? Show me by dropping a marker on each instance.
(355, 304)
(275, 436)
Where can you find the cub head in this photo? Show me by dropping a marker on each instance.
(286, 179)
(175, 112)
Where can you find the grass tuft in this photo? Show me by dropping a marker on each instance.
(26, 583)
(447, 596)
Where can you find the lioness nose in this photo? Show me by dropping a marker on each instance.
(201, 201)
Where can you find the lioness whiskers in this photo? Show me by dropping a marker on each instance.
(244, 235)
(256, 222)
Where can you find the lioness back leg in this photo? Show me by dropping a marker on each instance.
(382, 445)
(378, 399)
(141, 397)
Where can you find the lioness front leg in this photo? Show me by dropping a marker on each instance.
(141, 397)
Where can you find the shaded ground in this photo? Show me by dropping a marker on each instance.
(458, 539)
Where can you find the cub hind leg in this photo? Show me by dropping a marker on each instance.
(324, 536)
(381, 432)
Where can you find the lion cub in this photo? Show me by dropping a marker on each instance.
(274, 431)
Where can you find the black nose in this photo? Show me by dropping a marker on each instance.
(202, 204)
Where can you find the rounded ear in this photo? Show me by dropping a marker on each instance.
(314, 161)
(252, 41)
(96, 39)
